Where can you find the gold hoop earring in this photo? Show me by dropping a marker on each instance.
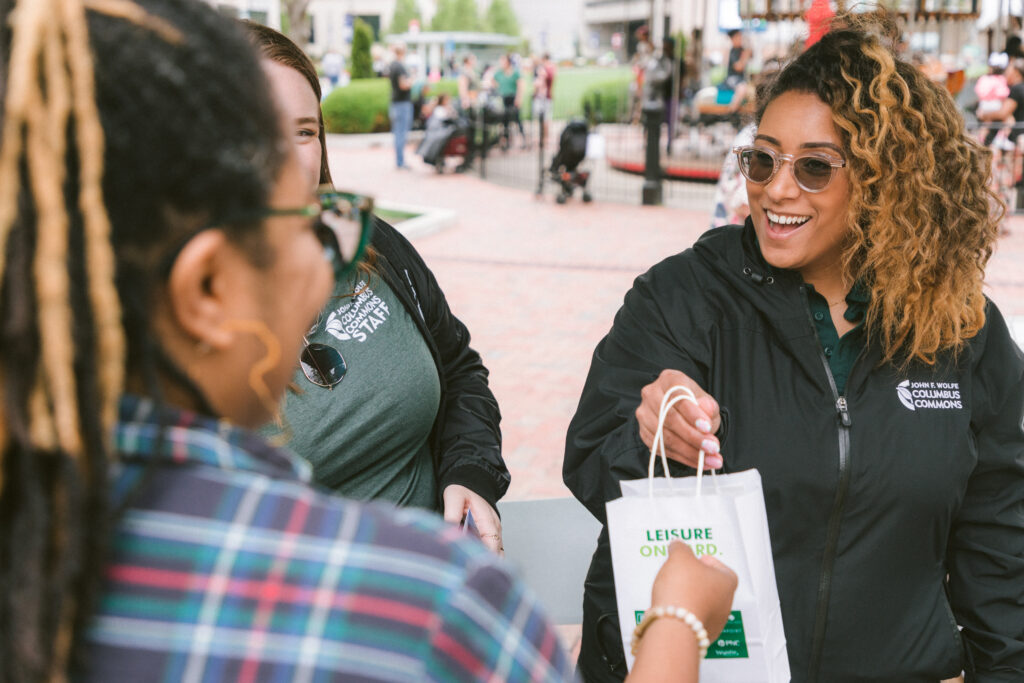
(270, 360)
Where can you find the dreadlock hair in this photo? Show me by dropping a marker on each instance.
(278, 47)
(922, 218)
(120, 138)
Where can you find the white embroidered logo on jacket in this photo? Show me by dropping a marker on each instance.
(929, 395)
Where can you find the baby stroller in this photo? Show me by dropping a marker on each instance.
(443, 139)
(572, 148)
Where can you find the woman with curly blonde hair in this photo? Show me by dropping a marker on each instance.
(839, 342)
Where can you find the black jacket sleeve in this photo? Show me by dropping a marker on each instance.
(603, 445)
(986, 553)
(468, 426)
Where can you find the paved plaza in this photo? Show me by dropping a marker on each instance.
(538, 285)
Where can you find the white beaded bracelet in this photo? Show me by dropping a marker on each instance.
(680, 613)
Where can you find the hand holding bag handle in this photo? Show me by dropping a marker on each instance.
(658, 443)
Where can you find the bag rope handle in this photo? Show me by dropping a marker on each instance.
(658, 444)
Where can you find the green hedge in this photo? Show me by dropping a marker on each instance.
(359, 107)
(609, 99)
(362, 105)
(446, 85)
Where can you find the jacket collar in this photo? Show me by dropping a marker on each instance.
(733, 253)
(778, 295)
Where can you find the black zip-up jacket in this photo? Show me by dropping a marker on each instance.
(872, 497)
(466, 437)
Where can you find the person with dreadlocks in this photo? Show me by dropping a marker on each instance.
(161, 258)
(423, 432)
(839, 342)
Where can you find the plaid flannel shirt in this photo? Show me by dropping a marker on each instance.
(226, 565)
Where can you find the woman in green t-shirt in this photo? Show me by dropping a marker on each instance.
(391, 403)
(510, 89)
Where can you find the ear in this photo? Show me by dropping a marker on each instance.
(198, 288)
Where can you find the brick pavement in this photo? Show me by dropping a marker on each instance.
(538, 285)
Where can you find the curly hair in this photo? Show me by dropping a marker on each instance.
(922, 219)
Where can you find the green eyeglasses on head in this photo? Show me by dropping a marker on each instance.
(344, 225)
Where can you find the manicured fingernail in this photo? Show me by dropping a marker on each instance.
(713, 462)
(709, 446)
(704, 426)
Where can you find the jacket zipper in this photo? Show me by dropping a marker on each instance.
(832, 538)
(415, 297)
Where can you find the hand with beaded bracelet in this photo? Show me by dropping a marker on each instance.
(690, 604)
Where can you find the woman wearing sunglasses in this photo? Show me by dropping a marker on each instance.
(390, 402)
(840, 342)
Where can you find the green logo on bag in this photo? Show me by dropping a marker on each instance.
(732, 643)
(697, 538)
(638, 615)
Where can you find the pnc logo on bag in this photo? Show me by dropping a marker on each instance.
(929, 395)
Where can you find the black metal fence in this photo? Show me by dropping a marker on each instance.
(615, 159)
(690, 164)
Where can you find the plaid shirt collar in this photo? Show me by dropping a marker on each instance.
(189, 438)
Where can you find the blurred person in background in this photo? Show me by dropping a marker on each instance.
(638, 63)
(671, 87)
(469, 82)
(737, 61)
(543, 92)
(1012, 106)
(510, 88)
(332, 64)
(470, 87)
(401, 109)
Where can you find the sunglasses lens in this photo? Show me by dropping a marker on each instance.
(322, 365)
(813, 173)
(758, 166)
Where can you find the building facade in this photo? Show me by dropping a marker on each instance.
(609, 26)
(546, 26)
(267, 12)
(332, 21)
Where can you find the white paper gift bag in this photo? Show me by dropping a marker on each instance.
(724, 517)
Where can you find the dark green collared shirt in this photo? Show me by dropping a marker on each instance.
(841, 352)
